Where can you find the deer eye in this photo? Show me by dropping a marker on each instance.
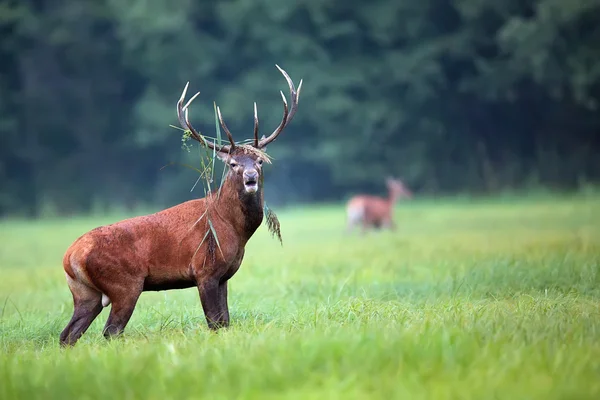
(260, 161)
(233, 165)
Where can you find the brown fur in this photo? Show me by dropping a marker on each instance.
(162, 251)
(375, 212)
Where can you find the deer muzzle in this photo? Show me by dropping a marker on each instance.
(251, 181)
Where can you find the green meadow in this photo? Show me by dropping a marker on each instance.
(480, 299)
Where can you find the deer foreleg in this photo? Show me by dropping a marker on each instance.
(212, 303)
(224, 308)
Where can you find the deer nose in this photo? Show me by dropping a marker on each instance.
(251, 174)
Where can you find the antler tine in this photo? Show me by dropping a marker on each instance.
(229, 135)
(294, 94)
(255, 126)
(288, 115)
(182, 116)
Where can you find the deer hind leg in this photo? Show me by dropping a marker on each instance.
(123, 303)
(366, 225)
(87, 305)
(350, 224)
(213, 297)
(389, 224)
(392, 225)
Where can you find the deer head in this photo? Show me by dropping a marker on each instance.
(244, 161)
(397, 188)
(245, 168)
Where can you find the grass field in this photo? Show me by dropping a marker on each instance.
(470, 300)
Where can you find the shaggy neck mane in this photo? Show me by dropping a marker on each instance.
(243, 210)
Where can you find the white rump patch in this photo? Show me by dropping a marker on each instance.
(355, 214)
(105, 300)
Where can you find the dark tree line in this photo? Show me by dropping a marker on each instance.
(453, 96)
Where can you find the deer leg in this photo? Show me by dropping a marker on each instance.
(224, 308)
(84, 314)
(388, 223)
(364, 226)
(350, 222)
(212, 302)
(392, 225)
(87, 305)
(121, 310)
(349, 226)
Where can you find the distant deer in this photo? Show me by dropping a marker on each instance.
(174, 248)
(376, 212)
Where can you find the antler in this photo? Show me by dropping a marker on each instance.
(182, 115)
(288, 115)
(229, 135)
(255, 126)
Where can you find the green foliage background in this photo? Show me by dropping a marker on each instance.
(453, 96)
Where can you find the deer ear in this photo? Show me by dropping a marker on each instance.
(224, 156)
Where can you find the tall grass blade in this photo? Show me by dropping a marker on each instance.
(214, 232)
(199, 219)
(200, 245)
(183, 165)
(217, 126)
(223, 173)
(196, 183)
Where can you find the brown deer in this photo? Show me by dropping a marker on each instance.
(376, 212)
(197, 243)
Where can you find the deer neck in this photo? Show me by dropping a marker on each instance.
(242, 210)
(392, 197)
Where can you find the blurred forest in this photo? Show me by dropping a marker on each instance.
(453, 96)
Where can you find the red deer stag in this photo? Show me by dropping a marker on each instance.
(174, 248)
(377, 212)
